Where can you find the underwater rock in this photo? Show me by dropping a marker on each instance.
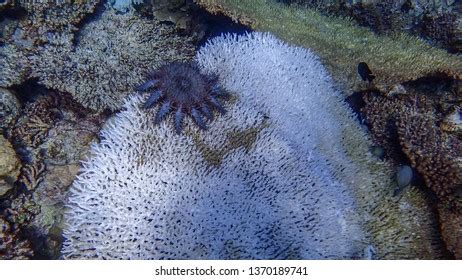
(9, 108)
(9, 166)
(378, 152)
(341, 44)
(257, 184)
(112, 56)
(177, 12)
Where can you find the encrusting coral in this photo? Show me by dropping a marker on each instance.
(285, 173)
(341, 44)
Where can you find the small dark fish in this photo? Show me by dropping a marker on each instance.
(365, 72)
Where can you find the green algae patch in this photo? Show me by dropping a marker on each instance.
(341, 44)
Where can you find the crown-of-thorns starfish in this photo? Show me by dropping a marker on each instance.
(182, 88)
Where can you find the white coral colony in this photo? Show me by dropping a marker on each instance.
(268, 180)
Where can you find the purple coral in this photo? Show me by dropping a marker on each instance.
(182, 88)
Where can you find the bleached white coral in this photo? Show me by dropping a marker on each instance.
(149, 193)
(291, 85)
(269, 179)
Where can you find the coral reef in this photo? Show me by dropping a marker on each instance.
(9, 166)
(51, 136)
(39, 23)
(420, 127)
(100, 71)
(438, 21)
(182, 88)
(93, 64)
(286, 173)
(342, 45)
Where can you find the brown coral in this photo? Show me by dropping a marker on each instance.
(433, 154)
(420, 126)
(451, 228)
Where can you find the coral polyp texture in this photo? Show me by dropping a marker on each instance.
(285, 173)
(182, 88)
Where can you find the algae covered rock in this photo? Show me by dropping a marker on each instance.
(286, 173)
(9, 166)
